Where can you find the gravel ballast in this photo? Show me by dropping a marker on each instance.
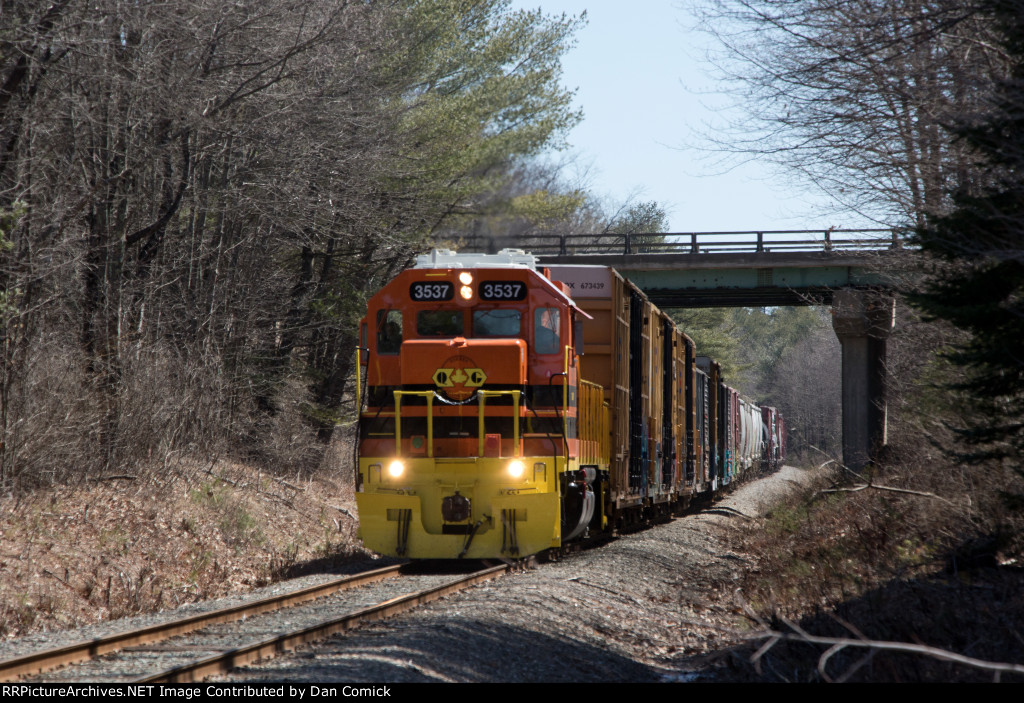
(646, 607)
(649, 606)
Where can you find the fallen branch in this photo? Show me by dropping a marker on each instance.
(290, 485)
(854, 489)
(62, 581)
(837, 644)
(868, 483)
(344, 512)
(279, 499)
(222, 478)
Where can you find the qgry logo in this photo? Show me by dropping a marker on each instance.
(459, 377)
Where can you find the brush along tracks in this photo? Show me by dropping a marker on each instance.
(213, 643)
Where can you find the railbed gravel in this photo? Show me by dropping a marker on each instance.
(129, 664)
(649, 606)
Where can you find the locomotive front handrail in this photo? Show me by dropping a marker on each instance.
(429, 395)
(483, 396)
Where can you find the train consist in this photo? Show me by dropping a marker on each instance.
(510, 409)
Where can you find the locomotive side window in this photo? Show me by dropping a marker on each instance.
(546, 331)
(496, 323)
(439, 323)
(389, 331)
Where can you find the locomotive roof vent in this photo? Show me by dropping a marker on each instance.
(448, 259)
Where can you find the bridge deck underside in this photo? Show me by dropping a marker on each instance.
(739, 298)
(762, 286)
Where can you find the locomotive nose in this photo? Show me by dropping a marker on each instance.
(459, 366)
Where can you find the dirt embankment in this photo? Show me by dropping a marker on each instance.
(71, 556)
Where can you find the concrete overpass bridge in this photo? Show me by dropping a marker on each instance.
(842, 268)
(726, 269)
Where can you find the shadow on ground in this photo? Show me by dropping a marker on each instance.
(454, 651)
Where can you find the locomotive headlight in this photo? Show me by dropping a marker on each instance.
(465, 278)
(516, 469)
(395, 468)
(466, 292)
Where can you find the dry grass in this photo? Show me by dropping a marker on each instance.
(105, 549)
(893, 567)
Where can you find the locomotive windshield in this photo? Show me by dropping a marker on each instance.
(439, 323)
(500, 322)
(389, 331)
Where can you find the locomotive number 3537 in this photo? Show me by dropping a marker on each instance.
(502, 290)
(431, 291)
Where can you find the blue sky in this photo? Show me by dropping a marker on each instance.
(638, 74)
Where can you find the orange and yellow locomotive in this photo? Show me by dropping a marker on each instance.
(478, 438)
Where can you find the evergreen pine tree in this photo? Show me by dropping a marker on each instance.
(981, 290)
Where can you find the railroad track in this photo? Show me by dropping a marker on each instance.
(212, 643)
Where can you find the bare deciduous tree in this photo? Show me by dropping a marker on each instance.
(201, 195)
(853, 96)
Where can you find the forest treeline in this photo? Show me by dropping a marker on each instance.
(197, 197)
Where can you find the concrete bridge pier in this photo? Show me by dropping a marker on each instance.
(863, 321)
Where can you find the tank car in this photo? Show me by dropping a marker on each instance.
(774, 438)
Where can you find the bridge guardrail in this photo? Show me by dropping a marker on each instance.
(738, 242)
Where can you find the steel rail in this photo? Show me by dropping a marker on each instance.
(46, 660)
(240, 656)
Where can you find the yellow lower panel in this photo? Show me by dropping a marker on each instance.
(495, 537)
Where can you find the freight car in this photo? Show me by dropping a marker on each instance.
(510, 409)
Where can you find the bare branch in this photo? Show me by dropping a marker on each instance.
(836, 644)
(855, 489)
(851, 96)
(869, 483)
